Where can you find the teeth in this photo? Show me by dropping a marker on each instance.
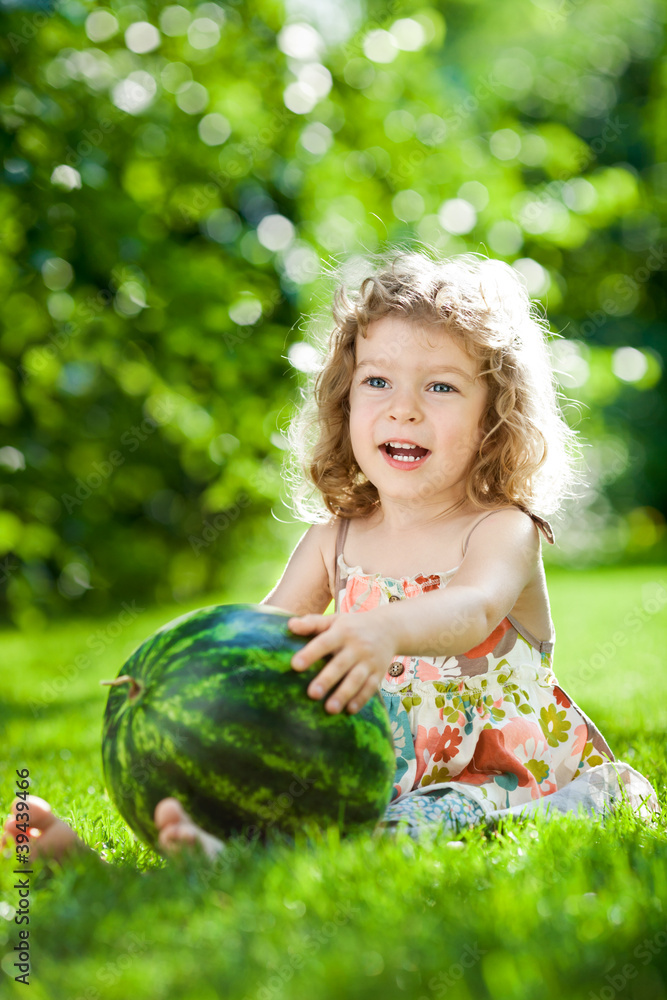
(397, 444)
(405, 458)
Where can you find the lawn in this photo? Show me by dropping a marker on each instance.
(566, 908)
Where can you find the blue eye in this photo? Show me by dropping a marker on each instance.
(447, 386)
(373, 378)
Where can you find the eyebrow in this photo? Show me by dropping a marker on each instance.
(452, 369)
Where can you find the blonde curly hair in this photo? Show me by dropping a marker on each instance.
(528, 454)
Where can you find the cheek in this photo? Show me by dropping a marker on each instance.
(358, 433)
(361, 420)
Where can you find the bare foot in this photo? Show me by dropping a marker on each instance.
(175, 828)
(49, 836)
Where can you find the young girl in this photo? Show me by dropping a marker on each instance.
(432, 436)
(437, 436)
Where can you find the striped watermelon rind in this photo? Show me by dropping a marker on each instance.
(218, 718)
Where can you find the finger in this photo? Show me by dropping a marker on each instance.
(307, 624)
(362, 697)
(352, 684)
(314, 651)
(335, 669)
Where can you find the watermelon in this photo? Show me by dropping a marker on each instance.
(209, 710)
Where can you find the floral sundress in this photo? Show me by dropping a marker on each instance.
(492, 723)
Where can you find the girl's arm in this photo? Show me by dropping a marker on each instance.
(501, 559)
(304, 586)
(502, 555)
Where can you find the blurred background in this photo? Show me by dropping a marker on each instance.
(176, 180)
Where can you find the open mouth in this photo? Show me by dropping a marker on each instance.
(404, 455)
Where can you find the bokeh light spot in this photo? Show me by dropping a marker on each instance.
(304, 357)
(174, 20)
(505, 144)
(505, 237)
(299, 98)
(275, 232)
(192, 98)
(408, 34)
(457, 216)
(223, 225)
(57, 273)
(245, 311)
(380, 46)
(66, 177)
(536, 277)
(629, 364)
(408, 205)
(141, 37)
(214, 129)
(100, 25)
(203, 33)
(316, 138)
(174, 75)
(300, 41)
(475, 193)
(135, 93)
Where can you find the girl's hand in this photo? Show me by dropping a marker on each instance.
(363, 647)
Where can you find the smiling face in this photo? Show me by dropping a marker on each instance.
(414, 385)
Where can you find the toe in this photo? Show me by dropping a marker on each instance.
(169, 811)
(174, 834)
(9, 827)
(39, 811)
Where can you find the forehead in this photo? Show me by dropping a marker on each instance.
(399, 341)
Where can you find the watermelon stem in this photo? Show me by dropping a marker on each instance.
(134, 690)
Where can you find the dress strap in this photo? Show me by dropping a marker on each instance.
(543, 525)
(341, 535)
(465, 544)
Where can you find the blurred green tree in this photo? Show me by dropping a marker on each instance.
(174, 178)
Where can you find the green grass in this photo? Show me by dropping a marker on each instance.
(566, 908)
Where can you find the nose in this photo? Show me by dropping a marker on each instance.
(404, 406)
